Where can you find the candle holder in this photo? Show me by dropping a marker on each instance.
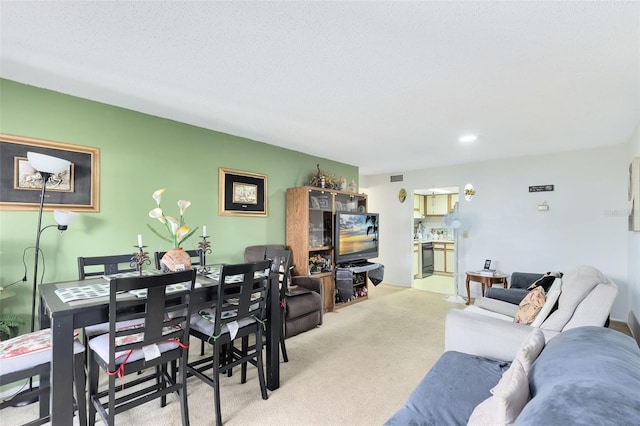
(204, 248)
(140, 258)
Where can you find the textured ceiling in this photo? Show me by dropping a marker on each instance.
(388, 86)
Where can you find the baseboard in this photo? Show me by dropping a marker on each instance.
(8, 392)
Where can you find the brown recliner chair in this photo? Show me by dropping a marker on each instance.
(303, 299)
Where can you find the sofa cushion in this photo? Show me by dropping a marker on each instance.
(530, 306)
(586, 373)
(509, 397)
(450, 391)
(530, 349)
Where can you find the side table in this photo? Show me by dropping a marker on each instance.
(484, 280)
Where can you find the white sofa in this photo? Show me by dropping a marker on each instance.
(585, 299)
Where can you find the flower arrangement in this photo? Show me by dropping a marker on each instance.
(324, 179)
(318, 263)
(178, 232)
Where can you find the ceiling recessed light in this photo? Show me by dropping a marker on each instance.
(468, 138)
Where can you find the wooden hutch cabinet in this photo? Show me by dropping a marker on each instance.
(310, 234)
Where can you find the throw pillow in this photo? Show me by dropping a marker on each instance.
(510, 396)
(544, 281)
(551, 298)
(530, 306)
(530, 349)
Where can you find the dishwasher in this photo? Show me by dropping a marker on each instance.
(427, 260)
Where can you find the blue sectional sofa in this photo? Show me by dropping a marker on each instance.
(586, 375)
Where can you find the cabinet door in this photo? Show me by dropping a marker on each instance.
(320, 219)
(438, 260)
(449, 259)
(453, 199)
(351, 203)
(437, 205)
(416, 260)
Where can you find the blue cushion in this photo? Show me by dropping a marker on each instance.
(450, 391)
(589, 375)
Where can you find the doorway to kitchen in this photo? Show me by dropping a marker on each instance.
(434, 248)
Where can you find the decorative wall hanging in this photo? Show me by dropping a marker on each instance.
(242, 193)
(74, 189)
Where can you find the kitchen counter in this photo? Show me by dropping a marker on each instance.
(434, 241)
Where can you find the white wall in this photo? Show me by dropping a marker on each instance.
(634, 255)
(586, 222)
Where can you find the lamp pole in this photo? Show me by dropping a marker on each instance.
(45, 177)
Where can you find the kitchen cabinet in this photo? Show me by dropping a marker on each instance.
(418, 206)
(417, 267)
(436, 205)
(449, 259)
(444, 257)
(453, 199)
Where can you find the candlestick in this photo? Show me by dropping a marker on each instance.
(140, 257)
(204, 248)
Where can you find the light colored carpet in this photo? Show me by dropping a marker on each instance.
(357, 369)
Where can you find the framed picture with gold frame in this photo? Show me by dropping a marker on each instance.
(242, 193)
(76, 188)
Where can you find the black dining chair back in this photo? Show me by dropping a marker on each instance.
(281, 264)
(194, 254)
(98, 266)
(158, 335)
(239, 313)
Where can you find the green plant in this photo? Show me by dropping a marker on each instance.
(177, 230)
(9, 324)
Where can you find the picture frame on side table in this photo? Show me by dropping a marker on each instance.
(77, 188)
(242, 193)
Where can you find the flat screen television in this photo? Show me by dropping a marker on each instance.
(356, 237)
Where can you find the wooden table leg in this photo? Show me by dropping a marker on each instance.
(468, 290)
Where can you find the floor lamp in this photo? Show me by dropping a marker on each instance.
(46, 165)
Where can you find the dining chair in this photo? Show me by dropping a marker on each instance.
(280, 264)
(194, 254)
(162, 302)
(29, 355)
(239, 312)
(98, 266)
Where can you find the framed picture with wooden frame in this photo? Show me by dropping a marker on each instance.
(74, 189)
(242, 193)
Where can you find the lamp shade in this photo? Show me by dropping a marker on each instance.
(47, 163)
(64, 218)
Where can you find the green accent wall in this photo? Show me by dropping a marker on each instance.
(139, 153)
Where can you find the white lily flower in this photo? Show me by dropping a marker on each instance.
(183, 204)
(157, 214)
(181, 232)
(158, 195)
(174, 224)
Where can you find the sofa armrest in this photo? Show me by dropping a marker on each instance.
(311, 283)
(481, 335)
(498, 306)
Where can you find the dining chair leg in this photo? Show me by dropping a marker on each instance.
(161, 370)
(263, 386)
(93, 390)
(283, 347)
(80, 381)
(182, 393)
(216, 384)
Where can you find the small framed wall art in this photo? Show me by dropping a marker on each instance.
(76, 188)
(242, 193)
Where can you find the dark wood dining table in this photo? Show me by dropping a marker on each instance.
(64, 317)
